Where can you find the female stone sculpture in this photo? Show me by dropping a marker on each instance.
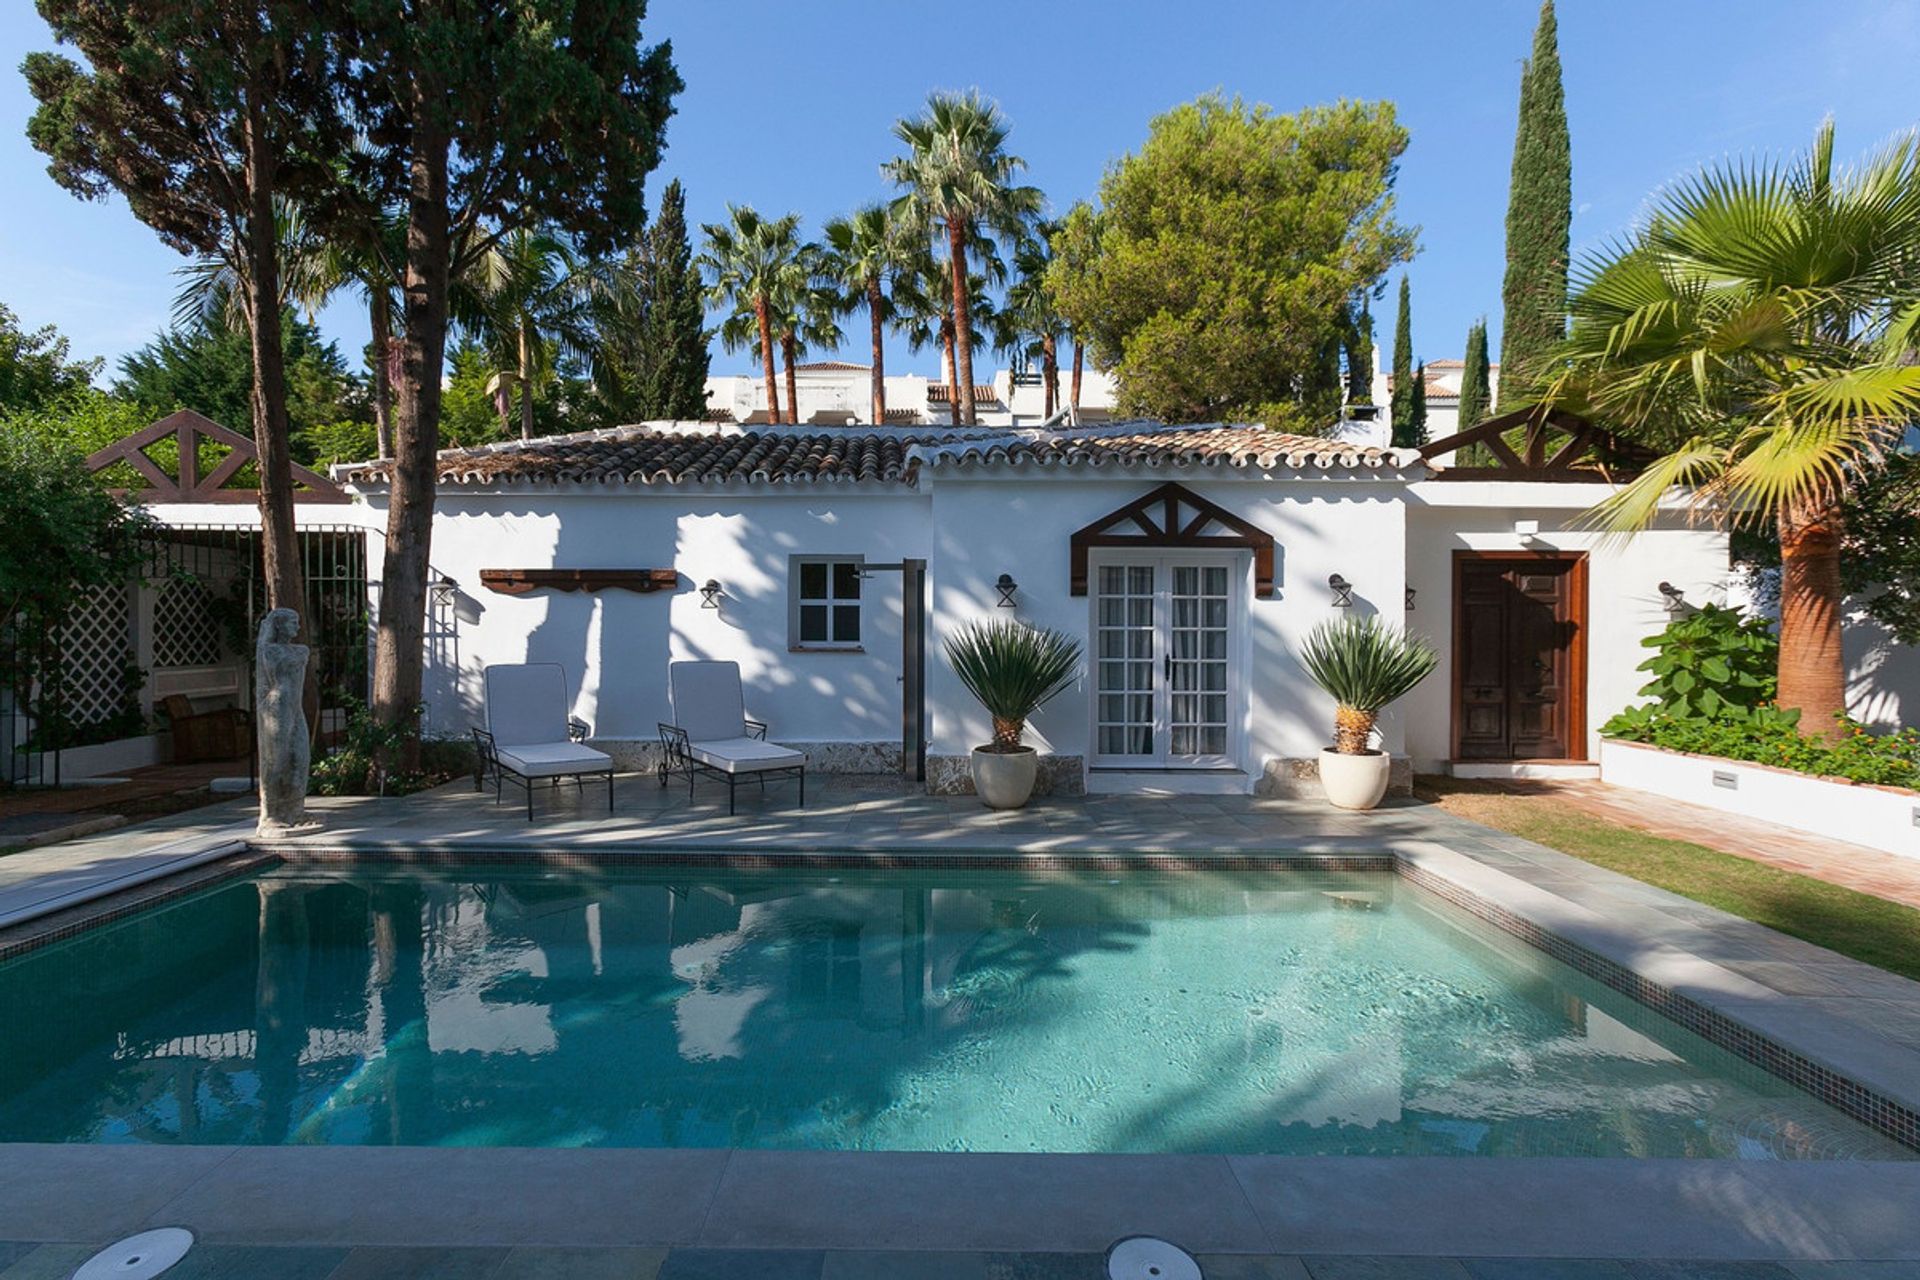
(280, 675)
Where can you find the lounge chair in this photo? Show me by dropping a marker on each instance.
(712, 735)
(530, 735)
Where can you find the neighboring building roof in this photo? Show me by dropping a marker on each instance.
(937, 394)
(831, 366)
(699, 454)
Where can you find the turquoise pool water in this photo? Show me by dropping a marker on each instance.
(1283, 1012)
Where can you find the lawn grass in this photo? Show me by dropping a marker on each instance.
(1881, 933)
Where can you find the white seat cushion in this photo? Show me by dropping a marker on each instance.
(745, 755)
(548, 759)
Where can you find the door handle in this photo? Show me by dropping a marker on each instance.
(1169, 668)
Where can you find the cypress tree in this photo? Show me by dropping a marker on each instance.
(1402, 408)
(1416, 433)
(1473, 382)
(1359, 352)
(670, 341)
(1539, 221)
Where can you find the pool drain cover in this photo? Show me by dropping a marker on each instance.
(139, 1257)
(1149, 1258)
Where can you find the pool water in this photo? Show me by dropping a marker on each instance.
(939, 1010)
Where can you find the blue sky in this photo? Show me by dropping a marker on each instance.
(788, 106)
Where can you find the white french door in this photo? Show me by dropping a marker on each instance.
(1164, 684)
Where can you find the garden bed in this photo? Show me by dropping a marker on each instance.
(1880, 817)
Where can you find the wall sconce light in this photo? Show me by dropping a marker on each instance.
(1675, 598)
(710, 594)
(1006, 586)
(444, 591)
(1342, 591)
(1528, 531)
(1410, 595)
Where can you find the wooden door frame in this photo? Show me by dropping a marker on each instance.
(1576, 652)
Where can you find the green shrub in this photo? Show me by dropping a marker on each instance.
(1365, 664)
(1890, 759)
(353, 768)
(1014, 670)
(1710, 664)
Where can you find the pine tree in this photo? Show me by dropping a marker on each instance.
(669, 346)
(1359, 353)
(1416, 433)
(1539, 221)
(1473, 382)
(1403, 384)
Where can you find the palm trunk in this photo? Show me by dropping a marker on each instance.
(381, 322)
(766, 358)
(962, 316)
(1352, 730)
(788, 354)
(1050, 372)
(1813, 670)
(1073, 388)
(953, 386)
(399, 636)
(1006, 734)
(876, 308)
(526, 386)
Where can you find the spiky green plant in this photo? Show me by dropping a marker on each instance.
(1014, 670)
(1365, 664)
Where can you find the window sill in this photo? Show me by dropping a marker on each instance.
(826, 648)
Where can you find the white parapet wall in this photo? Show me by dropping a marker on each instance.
(1885, 818)
(101, 760)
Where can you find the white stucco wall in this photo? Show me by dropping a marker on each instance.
(1624, 603)
(1883, 675)
(1021, 524)
(615, 645)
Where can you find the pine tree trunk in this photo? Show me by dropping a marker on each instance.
(876, 313)
(381, 322)
(1073, 389)
(787, 354)
(962, 318)
(1813, 671)
(766, 359)
(399, 637)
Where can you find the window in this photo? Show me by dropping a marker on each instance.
(826, 602)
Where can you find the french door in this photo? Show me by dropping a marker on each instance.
(1164, 684)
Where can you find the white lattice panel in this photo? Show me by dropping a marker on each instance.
(185, 633)
(96, 647)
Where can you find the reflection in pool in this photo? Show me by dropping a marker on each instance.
(1286, 1012)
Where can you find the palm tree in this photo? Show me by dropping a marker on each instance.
(745, 257)
(1758, 332)
(526, 300)
(924, 314)
(863, 253)
(959, 180)
(804, 309)
(1028, 323)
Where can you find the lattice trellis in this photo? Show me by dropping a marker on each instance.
(96, 648)
(185, 633)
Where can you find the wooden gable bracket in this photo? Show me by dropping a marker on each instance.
(190, 486)
(1588, 452)
(1174, 516)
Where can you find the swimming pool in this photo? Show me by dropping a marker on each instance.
(1287, 1012)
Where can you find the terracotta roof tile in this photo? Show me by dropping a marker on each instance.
(1156, 445)
(937, 393)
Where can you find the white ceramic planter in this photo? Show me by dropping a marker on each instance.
(1884, 818)
(1004, 779)
(1354, 782)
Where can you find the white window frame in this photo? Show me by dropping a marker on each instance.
(794, 601)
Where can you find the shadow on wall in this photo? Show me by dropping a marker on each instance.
(1883, 676)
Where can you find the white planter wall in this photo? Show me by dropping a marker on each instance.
(101, 760)
(1879, 817)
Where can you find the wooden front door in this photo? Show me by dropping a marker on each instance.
(1519, 656)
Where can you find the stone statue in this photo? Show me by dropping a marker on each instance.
(286, 752)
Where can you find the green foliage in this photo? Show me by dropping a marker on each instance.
(1400, 405)
(55, 729)
(1708, 664)
(1858, 755)
(331, 442)
(354, 767)
(655, 345)
(1414, 433)
(1539, 222)
(1013, 670)
(36, 371)
(1474, 395)
(1366, 663)
(207, 366)
(65, 535)
(469, 414)
(1225, 255)
(1358, 351)
(86, 422)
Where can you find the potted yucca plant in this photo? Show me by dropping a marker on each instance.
(1014, 670)
(1365, 664)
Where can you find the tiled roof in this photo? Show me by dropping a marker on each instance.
(937, 393)
(831, 366)
(1152, 445)
(647, 455)
(692, 454)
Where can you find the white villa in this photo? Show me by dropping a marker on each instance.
(831, 562)
(835, 393)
